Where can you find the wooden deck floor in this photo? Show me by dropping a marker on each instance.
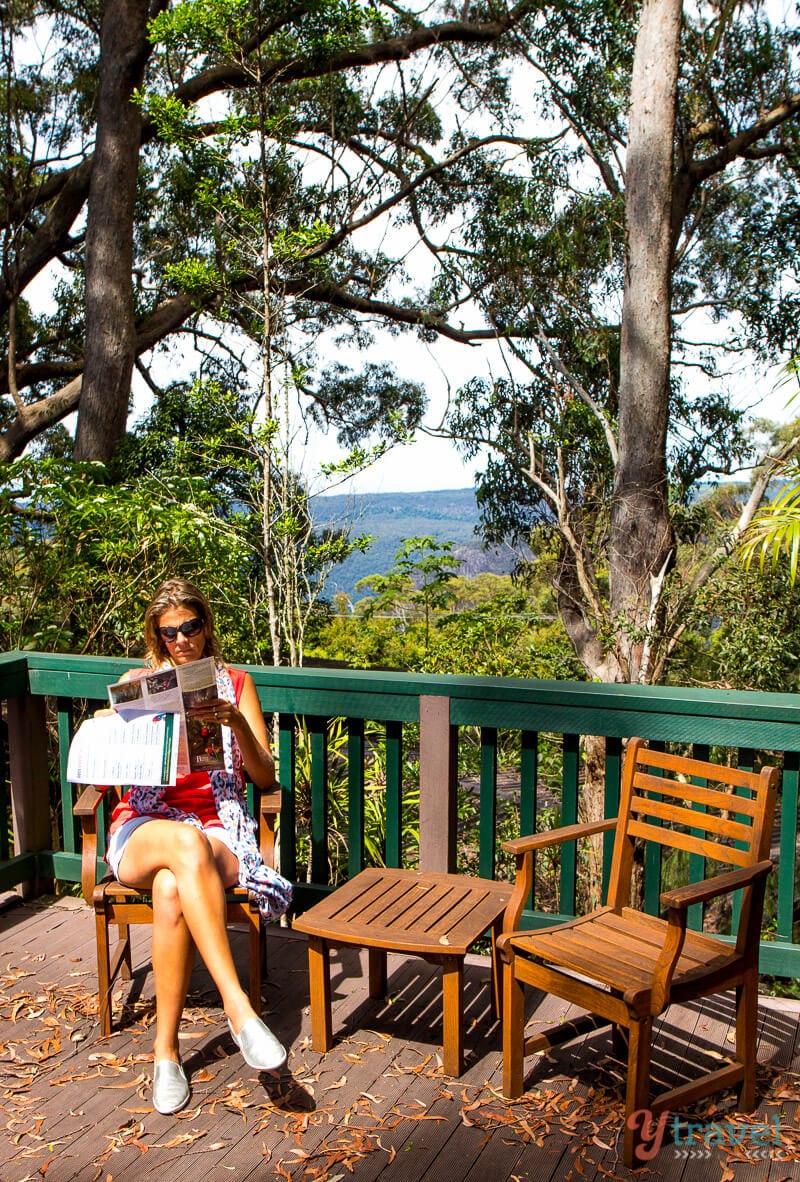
(76, 1108)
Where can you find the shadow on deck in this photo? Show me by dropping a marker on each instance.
(77, 1107)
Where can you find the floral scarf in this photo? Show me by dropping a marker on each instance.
(272, 892)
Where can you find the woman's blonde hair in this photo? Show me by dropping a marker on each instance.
(176, 593)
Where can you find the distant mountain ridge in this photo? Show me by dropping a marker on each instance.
(449, 515)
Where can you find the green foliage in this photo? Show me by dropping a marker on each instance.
(85, 555)
(348, 639)
(775, 530)
(185, 497)
(522, 419)
(499, 630)
(507, 828)
(175, 122)
(419, 580)
(202, 428)
(420, 577)
(745, 632)
(215, 431)
(200, 24)
(194, 276)
(374, 401)
(298, 241)
(502, 638)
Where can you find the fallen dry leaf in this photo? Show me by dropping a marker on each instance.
(182, 1139)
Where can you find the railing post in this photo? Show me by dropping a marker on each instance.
(30, 791)
(438, 813)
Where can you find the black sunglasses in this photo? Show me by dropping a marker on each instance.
(187, 628)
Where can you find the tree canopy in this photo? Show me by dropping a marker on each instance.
(346, 94)
(601, 434)
(203, 183)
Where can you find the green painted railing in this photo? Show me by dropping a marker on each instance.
(334, 724)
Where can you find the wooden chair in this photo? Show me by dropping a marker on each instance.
(624, 966)
(121, 905)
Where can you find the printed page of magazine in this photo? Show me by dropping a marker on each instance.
(198, 684)
(175, 690)
(125, 748)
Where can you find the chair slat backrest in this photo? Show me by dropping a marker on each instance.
(721, 813)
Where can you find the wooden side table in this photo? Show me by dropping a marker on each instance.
(434, 916)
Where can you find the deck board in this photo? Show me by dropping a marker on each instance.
(376, 1107)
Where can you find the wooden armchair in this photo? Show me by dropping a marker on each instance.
(625, 967)
(117, 904)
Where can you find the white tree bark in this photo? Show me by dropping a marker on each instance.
(641, 534)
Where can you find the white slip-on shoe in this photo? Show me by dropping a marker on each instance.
(170, 1086)
(259, 1046)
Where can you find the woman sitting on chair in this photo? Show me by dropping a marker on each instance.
(187, 843)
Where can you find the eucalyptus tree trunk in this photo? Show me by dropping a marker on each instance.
(110, 327)
(269, 492)
(613, 639)
(642, 542)
(641, 534)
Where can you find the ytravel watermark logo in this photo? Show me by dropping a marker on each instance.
(693, 1139)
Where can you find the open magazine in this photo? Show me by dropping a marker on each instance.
(174, 690)
(150, 738)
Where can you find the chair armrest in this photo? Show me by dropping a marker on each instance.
(268, 808)
(86, 808)
(677, 903)
(720, 884)
(89, 801)
(523, 848)
(540, 841)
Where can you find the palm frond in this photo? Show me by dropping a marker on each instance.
(775, 531)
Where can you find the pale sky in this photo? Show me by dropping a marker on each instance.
(427, 464)
(430, 464)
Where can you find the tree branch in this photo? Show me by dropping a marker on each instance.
(406, 190)
(69, 188)
(557, 364)
(37, 417)
(767, 467)
(557, 496)
(393, 49)
(738, 145)
(692, 174)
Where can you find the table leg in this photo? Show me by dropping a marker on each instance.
(377, 972)
(497, 972)
(319, 981)
(453, 1014)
